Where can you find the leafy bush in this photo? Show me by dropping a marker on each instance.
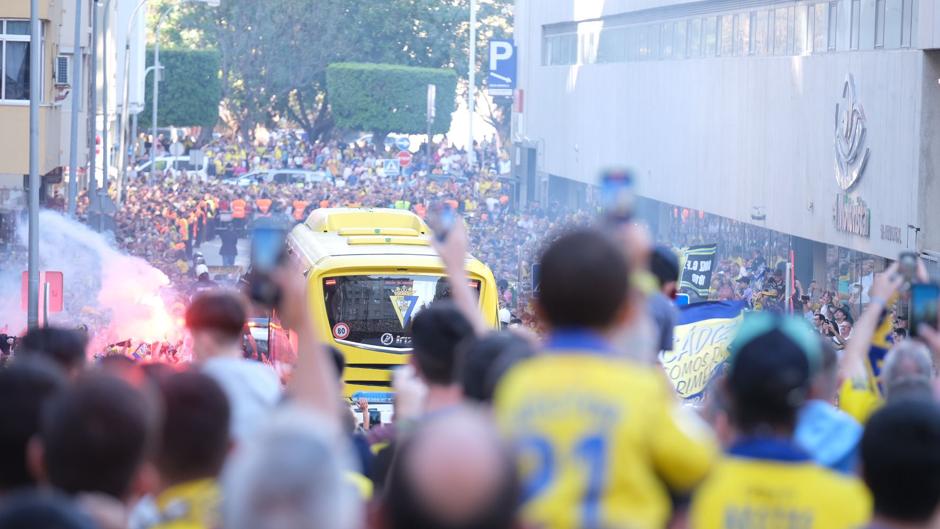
(389, 98)
(190, 92)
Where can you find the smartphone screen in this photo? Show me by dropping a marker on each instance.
(924, 305)
(907, 265)
(618, 194)
(267, 246)
(442, 220)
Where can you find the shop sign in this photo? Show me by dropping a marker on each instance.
(891, 233)
(852, 216)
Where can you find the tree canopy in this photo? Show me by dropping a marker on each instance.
(275, 53)
(190, 92)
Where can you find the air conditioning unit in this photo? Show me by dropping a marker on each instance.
(63, 70)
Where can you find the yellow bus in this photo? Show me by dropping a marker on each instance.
(369, 272)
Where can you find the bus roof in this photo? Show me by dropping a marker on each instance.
(349, 232)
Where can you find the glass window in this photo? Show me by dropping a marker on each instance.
(633, 43)
(695, 37)
(761, 24)
(833, 23)
(612, 46)
(820, 27)
(546, 50)
(667, 39)
(377, 310)
(678, 50)
(867, 22)
(854, 21)
(781, 35)
(643, 41)
(14, 61)
(727, 36)
(653, 32)
(907, 18)
(801, 31)
(892, 24)
(711, 36)
(880, 23)
(742, 34)
(17, 27)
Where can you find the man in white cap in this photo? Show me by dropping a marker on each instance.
(203, 281)
(504, 317)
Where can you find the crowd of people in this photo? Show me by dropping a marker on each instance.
(492, 429)
(167, 217)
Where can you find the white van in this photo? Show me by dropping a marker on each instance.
(177, 164)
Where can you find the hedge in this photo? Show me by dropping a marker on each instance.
(190, 92)
(389, 98)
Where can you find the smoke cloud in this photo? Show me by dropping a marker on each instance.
(117, 296)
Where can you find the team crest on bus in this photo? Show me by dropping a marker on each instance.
(404, 301)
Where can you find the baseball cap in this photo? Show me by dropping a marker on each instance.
(504, 315)
(771, 362)
(201, 269)
(664, 264)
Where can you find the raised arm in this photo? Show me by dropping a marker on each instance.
(314, 383)
(453, 251)
(883, 288)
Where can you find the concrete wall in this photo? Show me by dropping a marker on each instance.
(730, 134)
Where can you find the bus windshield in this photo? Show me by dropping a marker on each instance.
(375, 311)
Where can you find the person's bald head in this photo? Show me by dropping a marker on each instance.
(452, 473)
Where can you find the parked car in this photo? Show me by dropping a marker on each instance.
(176, 164)
(282, 176)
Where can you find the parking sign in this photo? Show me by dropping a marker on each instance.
(502, 77)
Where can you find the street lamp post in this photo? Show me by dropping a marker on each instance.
(155, 100)
(156, 85)
(471, 89)
(77, 60)
(32, 274)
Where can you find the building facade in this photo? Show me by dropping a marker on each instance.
(817, 119)
(58, 60)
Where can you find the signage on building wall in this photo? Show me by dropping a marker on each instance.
(891, 233)
(502, 78)
(850, 143)
(852, 215)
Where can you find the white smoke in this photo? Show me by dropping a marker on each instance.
(117, 296)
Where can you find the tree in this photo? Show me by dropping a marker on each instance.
(190, 92)
(275, 52)
(387, 98)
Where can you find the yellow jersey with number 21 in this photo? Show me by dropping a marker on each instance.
(601, 441)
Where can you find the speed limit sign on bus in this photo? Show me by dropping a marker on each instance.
(341, 331)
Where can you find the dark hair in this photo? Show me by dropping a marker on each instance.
(65, 347)
(900, 460)
(32, 509)
(195, 437)
(435, 333)
(584, 280)
(900, 331)
(664, 265)
(339, 360)
(767, 382)
(483, 362)
(96, 433)
(221, 312)
(24, 387)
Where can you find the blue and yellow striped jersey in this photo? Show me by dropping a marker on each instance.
(601, 441)
(774, 485)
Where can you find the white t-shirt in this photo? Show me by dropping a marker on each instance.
(253, 390)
